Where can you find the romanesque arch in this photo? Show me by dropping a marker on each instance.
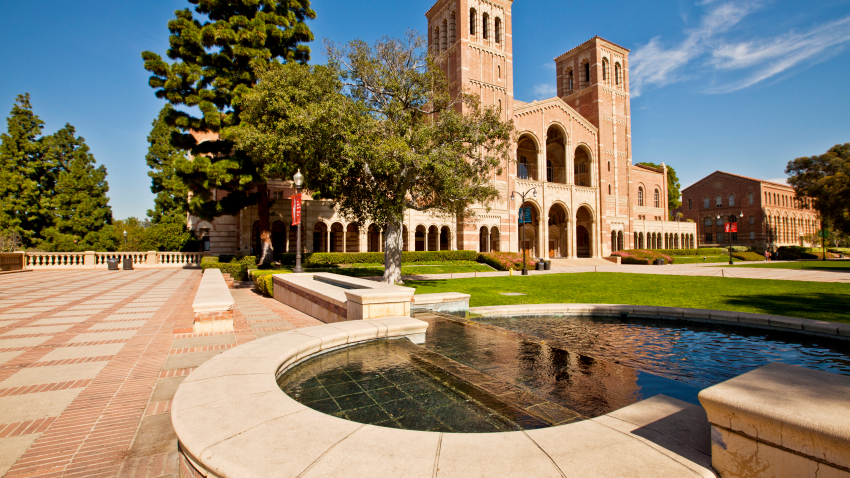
(556, 154)
(526, 157)
(445, 238)
(531, 245)
(352, 238)
(419, 238)
(279, 237)
(584, 232)
(320, 243)
(495, 239)
(558, 229)
(337, 239)
(583, 166)
(484, 239)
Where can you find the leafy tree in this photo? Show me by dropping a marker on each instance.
(80, 207)
(171, 201)
(826, 180)
(135, 228)
(674, 195)
(26, 178)
(379, 133)
(216, 57)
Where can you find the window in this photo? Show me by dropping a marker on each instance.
(605, 78)
(444, 39)
(690, 204)
(437, 39)
(720, 237)
(718, 201)
(452, 29)
(609, 189)
(522, 168)
(569, 79)
(705, 203)
(752, 235)
(750, 198)
(618, 74)
(609, 166)
(586, 73)
(497, 30)
(499, 71)
(657, 196)
(707, 222)
(472, 21)
(766, 198)
(731, 199)
(752, 219)
(708, 238)
(500, 104)
(640, 196)
(485, 26)
(550, 171)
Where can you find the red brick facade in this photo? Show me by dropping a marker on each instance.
(772, 213)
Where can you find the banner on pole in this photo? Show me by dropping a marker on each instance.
(296, 209)
(731, 227)
(525, 215)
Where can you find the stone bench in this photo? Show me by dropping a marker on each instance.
(780, 421)
(213, 305)
(335, 298)
(449, 302)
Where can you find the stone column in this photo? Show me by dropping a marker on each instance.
(328, 240)
(88, 259)
(151, 259)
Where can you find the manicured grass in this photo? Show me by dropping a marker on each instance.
(370, 270)
(812, 300)
(699, 259)
(829, 265)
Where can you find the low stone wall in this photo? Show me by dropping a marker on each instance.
(98, 260)
(12, 261)
(448, 302)
(213, 304)
(744, 319)
(335, 298)
(780, 421)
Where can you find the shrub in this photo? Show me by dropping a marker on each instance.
(316, 259)
(168, 236)
(263, 280)
(642, 256)
(739, 249)
(748, 256)
(502, 261)
(708, 251)
(237, 267)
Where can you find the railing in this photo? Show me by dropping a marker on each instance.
(99, 260)
(11, 261)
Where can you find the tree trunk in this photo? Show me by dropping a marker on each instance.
(266, 253)
(392, 252)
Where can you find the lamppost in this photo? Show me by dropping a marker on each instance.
(298, 179)
(731, 216)
(533, 192)
(125, 237)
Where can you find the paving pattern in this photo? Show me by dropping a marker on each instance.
(90, 360)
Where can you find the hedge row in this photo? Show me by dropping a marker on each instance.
(336, 258)
(748, 256)
(502, 261)
(707, 251)
(643, 256)
(237, 267)
(263, 280)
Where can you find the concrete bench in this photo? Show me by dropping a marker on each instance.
(449, 302)
(335, 298)
(780, 420)
(213, 305)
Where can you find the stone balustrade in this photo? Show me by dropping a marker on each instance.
(11, 261)
(98, 260)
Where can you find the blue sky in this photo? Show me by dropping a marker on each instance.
(741, 86)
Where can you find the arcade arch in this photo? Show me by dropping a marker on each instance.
(558, 230)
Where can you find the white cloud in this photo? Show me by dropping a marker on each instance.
(743, 63)
(544, 90)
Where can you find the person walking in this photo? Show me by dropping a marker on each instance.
(766, 254)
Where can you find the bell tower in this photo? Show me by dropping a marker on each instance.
(472, 40)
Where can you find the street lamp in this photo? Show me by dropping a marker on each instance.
(125, 237)
(731, 216)
(298, 179)
(533, 192)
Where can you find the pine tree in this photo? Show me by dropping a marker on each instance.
(80, 206)
(26, 178)
(216, 57)
(171, 202)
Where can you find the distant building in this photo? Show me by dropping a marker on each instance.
(575, 149)
(773, 215)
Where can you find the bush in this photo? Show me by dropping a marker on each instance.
(502, 261)
(642, 256)
(707, 251)
(168, 236)
(263, 280)
(318, 259)
(739, 249)
(748, 256)
(237, 267)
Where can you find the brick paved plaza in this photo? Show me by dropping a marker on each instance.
(89, 362)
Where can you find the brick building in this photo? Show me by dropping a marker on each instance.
(574, 150)
(768, 214)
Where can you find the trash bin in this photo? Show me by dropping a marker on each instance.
(547, 265)
(540, 265)
(659, 262)
(128, 263)
(112, 264)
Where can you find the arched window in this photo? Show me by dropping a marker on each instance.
(731, 199)
(499, 71)
(705, 203)
(609, 189)
(452, 29)
(640, 196)
(690, 204)
(570, 79)
(485, 26)
(444, 38)
(618, 74)
(708, 222)
(752, 220)
(522, 168)
(750, 198)
(657, 199)
(500, 104)
(586, 73)
(497, 29)
(718, 201)
(766, 198)
(609, 166)
(436, 40)
(472, 21)
(605, 77)
(550, 171)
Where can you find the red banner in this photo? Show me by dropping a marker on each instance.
(731, 227)
(296, 209)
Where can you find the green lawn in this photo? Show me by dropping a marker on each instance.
(830, 265)
(370, 270)
(812, 300)
(699, 259)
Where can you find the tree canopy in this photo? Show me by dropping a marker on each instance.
(674, 194)
(172, 195)
(825, 179)
(378, 132)
(216, 54)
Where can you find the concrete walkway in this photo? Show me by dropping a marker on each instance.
(703, 270)
(90, 360)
